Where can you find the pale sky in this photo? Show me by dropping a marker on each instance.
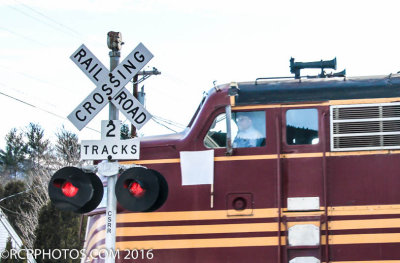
(193, 43)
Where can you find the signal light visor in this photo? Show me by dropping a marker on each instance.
(72, 189)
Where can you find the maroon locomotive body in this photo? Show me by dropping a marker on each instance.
(321, 184)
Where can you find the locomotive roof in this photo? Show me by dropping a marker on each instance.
(300, 90)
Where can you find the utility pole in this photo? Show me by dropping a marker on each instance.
(135, 92)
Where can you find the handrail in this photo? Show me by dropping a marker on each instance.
(324, 175)
(228, 112)
(279, 184)
(273, 78)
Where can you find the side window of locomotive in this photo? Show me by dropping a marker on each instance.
(302, 126)
(248, 129)
(216, 135)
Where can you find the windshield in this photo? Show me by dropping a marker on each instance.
(197, 111)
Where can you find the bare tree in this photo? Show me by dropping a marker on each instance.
(67, 148)
(38, 198)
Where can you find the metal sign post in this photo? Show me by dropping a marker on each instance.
(111, 218)
(113, 41)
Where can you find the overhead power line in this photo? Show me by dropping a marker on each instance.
(10, 196)
(156, 121)
(32, 77)
(22, 36)
(24, 102)
(49, 18)
(39, 108)
(181, 126)
(43, 22)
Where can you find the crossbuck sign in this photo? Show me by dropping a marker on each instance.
(110, 87)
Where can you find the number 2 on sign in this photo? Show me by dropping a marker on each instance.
(110, 125)
(110, 129)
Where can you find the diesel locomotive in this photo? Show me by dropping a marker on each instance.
(316, 179)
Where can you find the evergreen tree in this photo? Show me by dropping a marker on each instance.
(37, 147)
(15, 200)
(39, 168)
(13, 157)
(125, 133)
(58, 230)
(22, 205)
(36, 160)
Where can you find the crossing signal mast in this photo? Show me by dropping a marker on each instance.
(137, 189)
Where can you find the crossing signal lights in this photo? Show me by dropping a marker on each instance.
(71, 189)
(141, 190)
(137, 189)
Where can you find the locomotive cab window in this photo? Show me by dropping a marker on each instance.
(302, 126)
(247, 130)
(216, 135)
(250, 129)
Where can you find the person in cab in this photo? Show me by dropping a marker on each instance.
(247, 135)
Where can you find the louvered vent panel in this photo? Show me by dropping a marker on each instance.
(365, 127)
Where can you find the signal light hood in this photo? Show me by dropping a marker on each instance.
(71, 189)
(150, 190)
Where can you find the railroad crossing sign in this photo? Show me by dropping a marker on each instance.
(110, 87)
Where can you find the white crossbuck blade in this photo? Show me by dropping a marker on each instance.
(110, 87)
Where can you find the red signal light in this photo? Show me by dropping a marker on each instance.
(69, 189)
(139, 189)
(72, 189)
(136, 189)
